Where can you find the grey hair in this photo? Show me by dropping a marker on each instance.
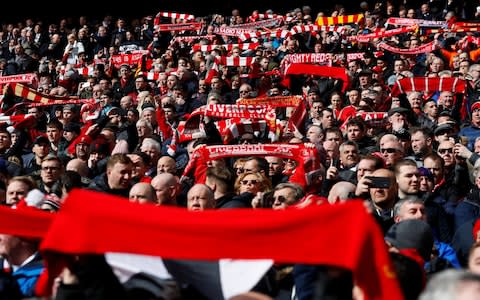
(293, 186)
(400, 203)
(445, 285)
(149, 142)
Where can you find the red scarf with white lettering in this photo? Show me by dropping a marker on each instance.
(307, 158)
(429, 47)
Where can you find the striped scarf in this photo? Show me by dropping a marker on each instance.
(339, 20)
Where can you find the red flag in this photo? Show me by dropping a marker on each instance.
(343, 235)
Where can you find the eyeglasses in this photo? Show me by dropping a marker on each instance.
(244, 92)
(445, 150)
(388, 150)
(280, 199)
(50, 169)
(247, 182)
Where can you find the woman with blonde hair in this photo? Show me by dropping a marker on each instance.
(252, 182)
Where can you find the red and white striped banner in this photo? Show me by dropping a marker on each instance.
(250, 35)
(236, 61)
(365, 38)
(228, 47)
(429, 47)
(233, 128)
(280, 33)
(411, 22)
(172, 15)
(192, 38)
(308, 28)
(429, 84)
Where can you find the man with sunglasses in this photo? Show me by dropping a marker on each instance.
(392, 151)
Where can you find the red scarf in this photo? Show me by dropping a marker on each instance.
(306, 69)
(307, 158)
(354, 240)
(428, 84)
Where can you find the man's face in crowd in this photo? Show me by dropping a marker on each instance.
(349, 155)
(420, 144)
(408, 180)
(119, 176)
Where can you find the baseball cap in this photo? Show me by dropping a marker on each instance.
(400, 110)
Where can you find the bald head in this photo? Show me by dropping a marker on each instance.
(165, 186)
(79, 166)
(200, 197)
(166, 164)
(142, 193)
(340, 191)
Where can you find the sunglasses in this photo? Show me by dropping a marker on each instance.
(445, 150)
(388, 150)
(246, 182)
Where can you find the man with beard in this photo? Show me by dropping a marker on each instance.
(422, 144)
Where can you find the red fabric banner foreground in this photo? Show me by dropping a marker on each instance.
(344, 235)
(26, 222)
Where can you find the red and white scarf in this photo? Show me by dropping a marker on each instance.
(228, 47)
(412, 22)
(429, 47)
(365, 38)
(429, 84)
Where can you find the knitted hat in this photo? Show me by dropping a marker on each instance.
(414, 234)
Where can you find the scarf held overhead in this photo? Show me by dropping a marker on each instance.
(116, 225)
(306, 69)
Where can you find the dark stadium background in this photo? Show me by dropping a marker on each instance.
(54, 10)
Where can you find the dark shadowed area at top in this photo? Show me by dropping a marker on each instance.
(53, 10)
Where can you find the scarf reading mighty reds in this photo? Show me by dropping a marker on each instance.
(115, 225)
